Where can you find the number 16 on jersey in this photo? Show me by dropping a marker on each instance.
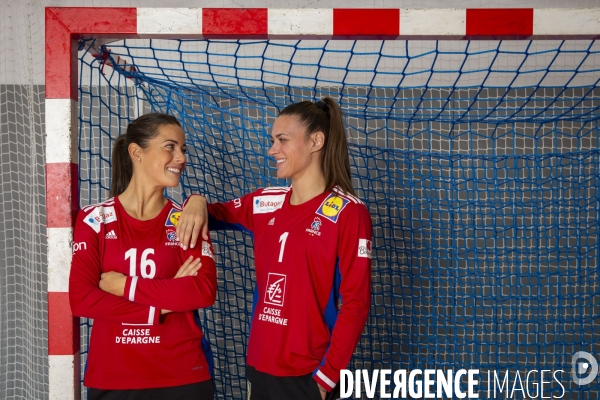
(147, 266)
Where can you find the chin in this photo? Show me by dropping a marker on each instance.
(171, 184)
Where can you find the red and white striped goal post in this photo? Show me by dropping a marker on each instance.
(64, 26)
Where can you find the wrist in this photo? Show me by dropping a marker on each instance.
(196, 196)
(122, 282)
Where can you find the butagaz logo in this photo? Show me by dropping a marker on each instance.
(314, 227)
(332, 207)
(364, 248)
(108, 214)
(267, 204)
(110, 235)
(79, 246)
(275, 292)
(100, 215)
(173, 218)
(207, 250)
(272, 221)
(91, 221)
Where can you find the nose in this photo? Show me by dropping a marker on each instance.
(180, 157)
(273, 149)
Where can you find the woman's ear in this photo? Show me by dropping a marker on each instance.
(317, 141)
(134, 152)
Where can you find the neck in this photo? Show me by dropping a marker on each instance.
(307, 187)
(142, 202)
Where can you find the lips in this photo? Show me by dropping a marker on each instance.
(174, 170)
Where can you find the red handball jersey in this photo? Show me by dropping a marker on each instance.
(313, 279)
(132, 346)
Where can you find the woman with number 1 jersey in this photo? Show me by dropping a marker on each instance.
(312, 247)
(132, 276)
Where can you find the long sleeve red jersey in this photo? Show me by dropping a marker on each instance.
(313, 279)
(132, 346)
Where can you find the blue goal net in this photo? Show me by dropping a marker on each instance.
(478, 160)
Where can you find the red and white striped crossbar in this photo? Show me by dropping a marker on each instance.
(65, 25)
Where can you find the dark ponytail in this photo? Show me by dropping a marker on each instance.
(141, 131)
(122, 169)
(326, 116)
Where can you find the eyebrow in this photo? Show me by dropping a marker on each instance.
(172, 140)
(278, 135)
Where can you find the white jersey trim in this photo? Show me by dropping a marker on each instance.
(109, 202)
(325, 379)
(276, 189)
(132, 288)
(347, 196)
(151, 315)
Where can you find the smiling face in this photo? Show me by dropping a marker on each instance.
(162, 162)
(293, 150)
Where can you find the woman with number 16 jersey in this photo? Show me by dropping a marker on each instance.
(133, 277)
(312, 247)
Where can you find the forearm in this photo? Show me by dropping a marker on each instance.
(180, 294)
(345, 335)
(91, 302)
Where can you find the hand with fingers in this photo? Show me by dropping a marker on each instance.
(193, 221)
(113, 282)
(189, 268)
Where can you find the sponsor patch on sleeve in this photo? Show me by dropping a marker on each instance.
(79, 246)
(267, 204)
(332, 207)
(207, 250)
(100, 215)
(173, 218)
(108, 214)
(364, 248)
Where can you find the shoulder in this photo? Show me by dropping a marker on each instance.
(350, 198)
(102, 212)
(267, 200)
(109, 203)
(174, 205)
(273, 191)
(95, 215)
(340, 205)
(174, 214)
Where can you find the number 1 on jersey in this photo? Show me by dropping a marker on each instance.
(282, 240)
(132, 255)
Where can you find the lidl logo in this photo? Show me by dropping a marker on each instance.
(332, 207)
(173, 218)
